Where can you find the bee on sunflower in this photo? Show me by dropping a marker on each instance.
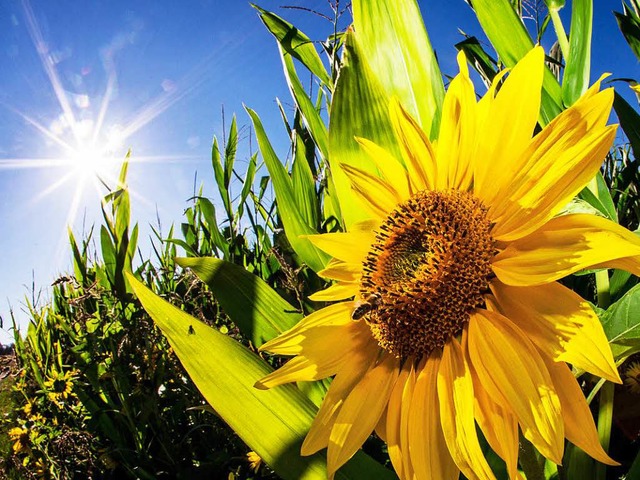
(449, 312)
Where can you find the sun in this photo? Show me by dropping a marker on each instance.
(90, 159)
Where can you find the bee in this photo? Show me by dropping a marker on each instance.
(365, 306)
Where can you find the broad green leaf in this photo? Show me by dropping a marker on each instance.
(360, 108)
(230, 152)
(621, 322)
(629, 121)
(577, 67)
(511, 40)
(312, 118)
(251, 303)
(108, 252)
(273, 422)
(209, 212)
(294, 224)
(304, 187)
(394, 41)
(629, 24)
(248, 183)
(295, 43)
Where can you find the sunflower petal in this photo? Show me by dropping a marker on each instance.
(339, 270)
(563, 246)
(559, 162)
(560, 323)
(416, 148)
(579, 426)
(350, 247)
(337, 291)
(512, 372)
(456, 139)
(301, 369)
(388, 166)
(396, 428)
(360, 412)
(455, 396)
(427, 446)
(291, 341)
(376, 194)
(507, 125)
(349, 375)
(499, 426)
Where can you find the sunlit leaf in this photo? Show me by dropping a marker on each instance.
(250, 302)
(577, 67)
(294, 223)
(601, 199)
(393, 39)
(622, 324)
(272, 422)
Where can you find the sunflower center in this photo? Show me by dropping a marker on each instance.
(427, 270)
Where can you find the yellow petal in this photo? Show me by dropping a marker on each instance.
(507, 126)
(455, 396)
(514, 375)
(563, 246)
(500, 428)
(337, 291)
(416, 148)
(300, 369)
(350, 247)
(578, 421)
(429, 453)
(560, 323)
(339, 270)
(349, 375)
(307, 330)
(456, 139)
(559, 162)
(360, 412)
(397, 428)
(392, 171)
(376, 195)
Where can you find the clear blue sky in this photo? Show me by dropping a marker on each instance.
(163, 69)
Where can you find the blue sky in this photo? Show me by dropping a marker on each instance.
(158, 71)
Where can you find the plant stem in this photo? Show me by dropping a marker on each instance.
(563, 41)
(529, 461)
(605, 419)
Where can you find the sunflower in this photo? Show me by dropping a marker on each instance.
(20, 437)
(60, 386)
(457, 318)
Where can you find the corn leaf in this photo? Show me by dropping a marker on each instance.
(629, 24)
(258, 311)
(271, 422)
(600, 199)
(629, 121)
(511, 40)
(295, 43)
(576, 72)
(294, 223)
(484, 64)
(396, 45)
(303, 183)
(359, 108)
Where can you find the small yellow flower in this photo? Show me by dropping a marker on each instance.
(27, 408)
(632, 377)
(255, 461)
(20, 437)
(60, 386)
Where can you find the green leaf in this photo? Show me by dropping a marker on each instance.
(273, 422)
(294, 224)
(314, 122)
(304, 187)
(209, 213)
(230, 152)
(510, 38)
(360, 107)
(629, 121)
(218, 171)
(295, 43)
(621, 322)
(395, 43)
(248, 183)
(629, 24)
(577, 67)
(484, 64)
(250, 302)
(600, 199)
